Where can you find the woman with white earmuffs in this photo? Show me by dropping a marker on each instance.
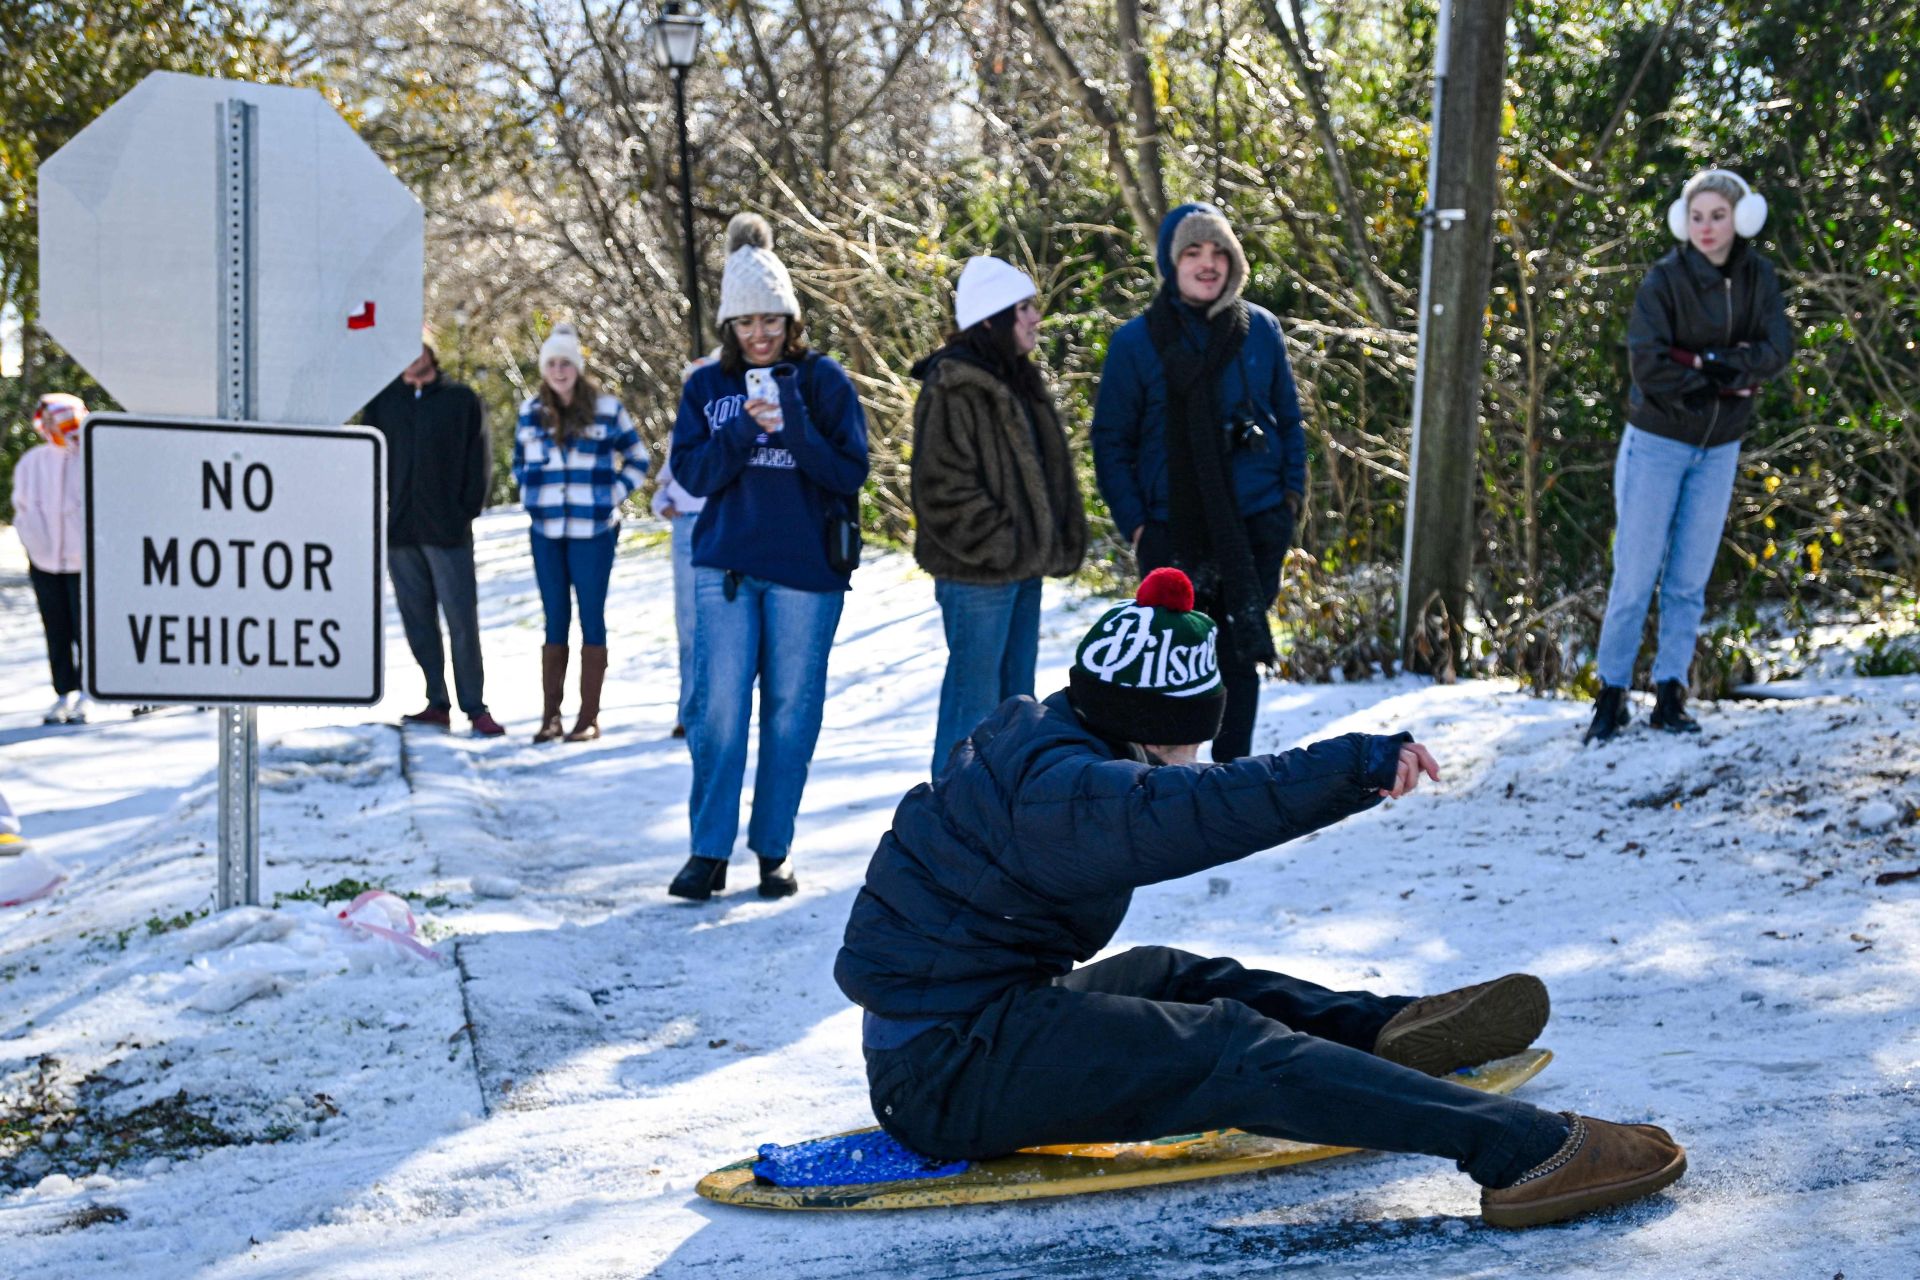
(1708, 329)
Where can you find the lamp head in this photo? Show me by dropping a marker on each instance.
(675, 35)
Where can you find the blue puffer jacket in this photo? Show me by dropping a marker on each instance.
(1130, 414)
(1020, 861)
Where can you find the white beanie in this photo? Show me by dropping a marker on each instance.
(987, 287)
(563, 342)
(754, 282)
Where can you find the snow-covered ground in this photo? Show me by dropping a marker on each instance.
(1705, 913)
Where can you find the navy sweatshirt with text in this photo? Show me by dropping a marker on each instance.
(769, 494)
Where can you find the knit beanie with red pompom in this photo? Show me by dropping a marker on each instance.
(1149, 671)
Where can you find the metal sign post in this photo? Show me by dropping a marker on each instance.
(239, 882)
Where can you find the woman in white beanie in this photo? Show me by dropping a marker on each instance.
(773, 437)
(576, 458)
(1708, 329)
(50, 513)
(995, 503)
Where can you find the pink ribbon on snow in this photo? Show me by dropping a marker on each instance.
(349, 920)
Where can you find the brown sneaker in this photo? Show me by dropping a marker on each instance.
(1601, 1164)
(1464, 1028)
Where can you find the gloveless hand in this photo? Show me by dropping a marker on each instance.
(1414, 761)
(764, 412)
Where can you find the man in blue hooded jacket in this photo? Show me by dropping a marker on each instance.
(1198, 449)
(1017, 865)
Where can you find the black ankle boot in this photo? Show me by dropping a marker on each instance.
(776, 879)
(1609, 714)
(700, 879)
(1670, 708)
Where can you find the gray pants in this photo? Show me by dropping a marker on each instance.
(429, 581)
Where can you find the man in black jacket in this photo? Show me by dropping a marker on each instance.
(1019, 863)
(439, 468)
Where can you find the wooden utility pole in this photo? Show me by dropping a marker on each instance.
(1469, 76)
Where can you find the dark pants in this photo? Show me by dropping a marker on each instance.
(570, 568)
(1157, 1042)
(1270, 533)
(58, 595)
(429, 581)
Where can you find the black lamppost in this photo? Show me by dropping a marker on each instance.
(675, 37)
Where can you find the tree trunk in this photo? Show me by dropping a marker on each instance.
(1146, 116)
(1306, 68)
(1470, 75)
(1146, 213)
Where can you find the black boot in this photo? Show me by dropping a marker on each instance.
(1670, 708)
(776, 879)
(1609, 714)
(700, 879)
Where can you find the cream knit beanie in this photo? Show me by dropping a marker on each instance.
(564, 342)
(754, 282)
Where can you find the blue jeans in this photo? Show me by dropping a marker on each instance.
(1670, 500)
(779, 636)
(569, 568)
(993, 640)
(683, 609)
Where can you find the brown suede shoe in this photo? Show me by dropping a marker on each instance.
(1600, 1165)
(1464, 1028)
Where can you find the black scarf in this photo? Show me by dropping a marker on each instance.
(1209, 538)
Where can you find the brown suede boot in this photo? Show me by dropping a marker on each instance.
(1601, 1164)
(553, 682)
(593, 673)
(1464, 1028)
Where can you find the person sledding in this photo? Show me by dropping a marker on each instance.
(982, 1037)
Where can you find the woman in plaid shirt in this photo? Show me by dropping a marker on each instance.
(576, 458)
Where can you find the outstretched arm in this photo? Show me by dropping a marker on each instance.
(1103, 827)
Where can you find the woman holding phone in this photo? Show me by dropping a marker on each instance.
(772, 435)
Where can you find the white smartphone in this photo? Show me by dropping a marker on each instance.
(760, 387)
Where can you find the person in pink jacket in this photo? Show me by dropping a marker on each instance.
(49, 512)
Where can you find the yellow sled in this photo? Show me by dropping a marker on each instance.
(1071, 1171)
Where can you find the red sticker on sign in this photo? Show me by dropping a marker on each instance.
(362, 321)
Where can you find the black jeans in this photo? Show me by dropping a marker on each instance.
(1157, 1042)
(1270, 533)
(58, 595)
(429, 581)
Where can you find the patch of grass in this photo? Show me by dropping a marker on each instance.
(92, 1216)
(1889, 656)
(345, 889)
(50, 1126)
(157, 925)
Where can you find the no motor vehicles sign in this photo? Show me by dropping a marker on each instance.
(234, 564)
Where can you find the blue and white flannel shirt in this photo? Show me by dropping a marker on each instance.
(575, 490)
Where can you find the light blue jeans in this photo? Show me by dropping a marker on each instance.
(683, 610)
(779, 637)
(1670, 501)
(993, 641)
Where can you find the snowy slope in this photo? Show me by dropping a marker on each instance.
(543, 1100)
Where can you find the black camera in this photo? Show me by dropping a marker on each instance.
(1244, 431)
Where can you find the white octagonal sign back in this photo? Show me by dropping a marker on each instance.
(131, 253)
